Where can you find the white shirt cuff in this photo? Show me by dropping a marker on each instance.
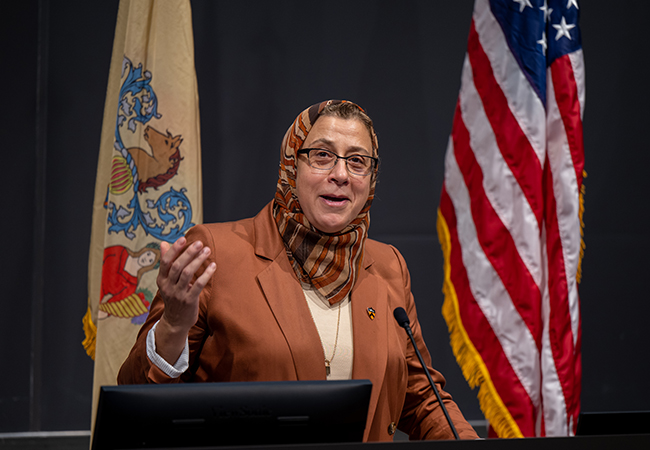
(181, 364)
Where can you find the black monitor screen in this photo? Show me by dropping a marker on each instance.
(238, 413)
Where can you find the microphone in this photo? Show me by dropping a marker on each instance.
(403, 321)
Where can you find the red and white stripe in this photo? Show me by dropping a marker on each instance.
(511, 199)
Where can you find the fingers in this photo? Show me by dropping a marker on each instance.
(179, 264)
(189, 269)
(202, 280)
(169, 254)
(164, 246)
(182, 261)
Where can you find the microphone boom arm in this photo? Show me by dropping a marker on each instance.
(403, 321)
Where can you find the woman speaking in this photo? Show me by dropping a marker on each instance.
(298, 292)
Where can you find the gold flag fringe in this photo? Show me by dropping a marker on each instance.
(582, 227)
(90, 330)
(468, 358)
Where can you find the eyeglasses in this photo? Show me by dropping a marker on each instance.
(322, 159)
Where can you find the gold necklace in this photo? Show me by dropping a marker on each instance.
(336, 341)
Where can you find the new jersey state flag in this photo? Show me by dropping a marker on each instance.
(510, 217)
(148, 186)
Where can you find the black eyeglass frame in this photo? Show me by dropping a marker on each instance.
(375, 160)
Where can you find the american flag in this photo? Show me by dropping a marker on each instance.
(510, 216)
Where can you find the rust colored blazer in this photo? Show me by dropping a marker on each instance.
(254, 325)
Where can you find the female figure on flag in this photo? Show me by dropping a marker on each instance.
(298, 292)
(122, 270)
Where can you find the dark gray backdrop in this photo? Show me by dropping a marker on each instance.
(258, 65)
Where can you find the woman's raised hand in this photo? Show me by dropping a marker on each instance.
(179, 264)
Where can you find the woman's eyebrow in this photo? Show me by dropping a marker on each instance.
(330, 143)
(322, 141)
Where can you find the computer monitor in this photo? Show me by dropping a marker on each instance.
(237, 413)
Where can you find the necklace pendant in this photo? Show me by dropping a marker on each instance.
(327, 368)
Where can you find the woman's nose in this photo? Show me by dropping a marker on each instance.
(340, 172)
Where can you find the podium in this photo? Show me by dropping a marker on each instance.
(627, 442)
(53, 441)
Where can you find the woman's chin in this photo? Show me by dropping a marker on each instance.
(330, 226)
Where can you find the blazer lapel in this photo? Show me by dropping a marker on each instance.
(287, 301)
(370, 334)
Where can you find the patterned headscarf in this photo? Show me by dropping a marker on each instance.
(327, 262)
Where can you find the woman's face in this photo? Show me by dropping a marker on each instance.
(332, 199)
(147, 258)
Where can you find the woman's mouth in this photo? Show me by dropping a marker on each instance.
(333, 200)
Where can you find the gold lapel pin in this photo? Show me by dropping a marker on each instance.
(371, 313)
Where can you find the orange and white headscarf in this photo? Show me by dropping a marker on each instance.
(327, 262)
